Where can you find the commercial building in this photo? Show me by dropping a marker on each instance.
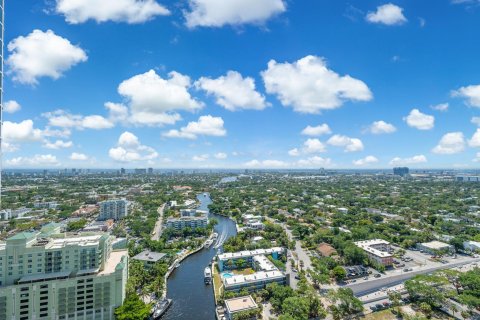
(61, 277)
(401, 171)
(113, 209)
(46, 205)
(238, 305)
(435, 247)
(467, 178)
(377, 250)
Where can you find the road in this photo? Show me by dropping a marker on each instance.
(157, 231)
(364, 288)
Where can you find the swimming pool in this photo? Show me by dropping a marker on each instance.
(227, 275)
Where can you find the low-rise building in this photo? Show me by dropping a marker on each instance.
(199, 219)
(472, 246)
(377, 250)
(435, 247)
(149, 258)
(238, 305)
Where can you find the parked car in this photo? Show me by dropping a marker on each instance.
(379, 306)
(377, 275)
(373, 308)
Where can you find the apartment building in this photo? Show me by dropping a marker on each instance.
(113, 209)
(377, 250)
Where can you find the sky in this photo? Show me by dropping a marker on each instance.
(241, 84)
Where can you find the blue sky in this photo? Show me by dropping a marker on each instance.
(242, 84)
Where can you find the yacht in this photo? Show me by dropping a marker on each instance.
(160, 308)
(208, 275)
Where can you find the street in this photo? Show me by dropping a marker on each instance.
(157, 231)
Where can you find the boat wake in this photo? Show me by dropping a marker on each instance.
(221, 239)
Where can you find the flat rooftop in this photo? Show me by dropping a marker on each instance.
(149, 256)
(240, 304)
(436, 245)
(247, 254)
(253, 278)
(368, 246)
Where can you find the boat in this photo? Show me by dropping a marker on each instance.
(208, 275)
(178, 265)
(160, 308)
(208, 243)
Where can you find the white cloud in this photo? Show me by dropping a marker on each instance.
(130, 149)
(42, 54)
(314, 162)
(11, 106)
(155, 101)
(21, 131)
(78, 156)
(58, 144)
(205, 126)
(397, 161)
(313, 146)
(365, 161)
(381, 127)
(233, 92)
(201, 158)
(310, 87)
(317, 130)
(35, 161)
(350, 144)
(470, 93)
(63, 119)
(294, 152)
(217, 13)
(221, 156)
(450, 143)
(130, 11)
(388, 14)
(266, 164)
(475, 120)
(117, 112)
(442, 107)
(475, 140)
(477, 157)
(419, 120)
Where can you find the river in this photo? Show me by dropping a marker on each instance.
(192, 299)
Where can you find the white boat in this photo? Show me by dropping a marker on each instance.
(160, 308)
(208, 243)
(207, 275)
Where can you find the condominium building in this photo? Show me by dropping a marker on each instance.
(189, 218)
(377, 250)
(113, 209)
(61, 277)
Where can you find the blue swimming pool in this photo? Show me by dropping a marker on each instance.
(227, 275)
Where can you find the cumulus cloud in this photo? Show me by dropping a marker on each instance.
(75, 156)
(419, 120)
(294, 152)
(313, 146)
(471, 94)
(155, 101)
(35, 161)
(221, 156)
(381, 127)
(450, 143)
(42, 54)
(11, 106)
(475, 140)
(365, 161)
(129, 149)
(388, 14)
(314, 162)
(317, 130)
(205, 126)
(442, 107)
(130, 11)
(233, 92)
(21, 132)
(58, 144)
(63, 119)
(475, 120)
(217, 13)
(309, 86)
(349, 144)
(266, 164)
(397, 161)
(200, 158)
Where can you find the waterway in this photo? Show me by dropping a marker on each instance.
(192, 299)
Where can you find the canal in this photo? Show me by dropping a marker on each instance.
(192, 299)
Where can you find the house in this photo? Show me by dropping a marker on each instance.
(326, 250)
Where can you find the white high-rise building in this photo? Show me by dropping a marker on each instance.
(113, 209)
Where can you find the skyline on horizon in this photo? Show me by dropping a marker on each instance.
(270, 84)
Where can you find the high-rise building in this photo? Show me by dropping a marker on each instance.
(150, 170)
(113, 209)
(140, 171)
(401, 171)
(61, 276)
(122, 171)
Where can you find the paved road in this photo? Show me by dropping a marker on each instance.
(158, 225)
(364, 288)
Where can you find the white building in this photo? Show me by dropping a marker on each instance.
(377, 250)
(189, 219)
(238, 305)
(434, 247)
(472, 246)
(113, 209)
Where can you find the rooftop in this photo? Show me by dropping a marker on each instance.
(240, 304)
(149, 256)
(247, 254)
(435, 245)
(112, 262)
(258, 276)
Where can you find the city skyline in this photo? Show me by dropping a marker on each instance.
(258, 84)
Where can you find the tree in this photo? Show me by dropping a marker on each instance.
(339, 273)
(344, 303)
(426, 309)
(241, 263)
(297, 307)
(132, 309)
(430, 289)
